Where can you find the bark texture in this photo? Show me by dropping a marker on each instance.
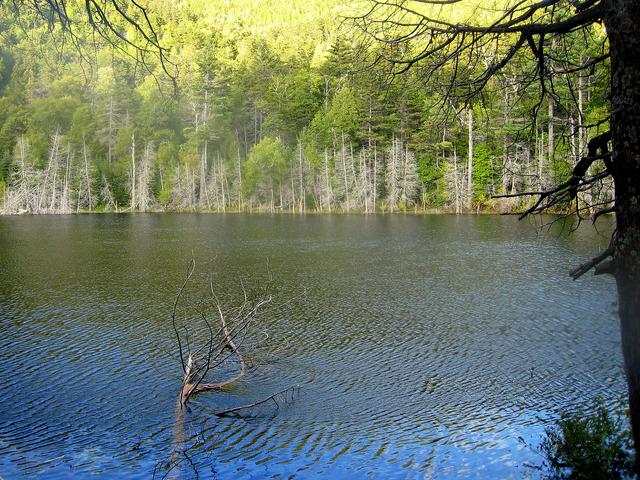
(621, 18)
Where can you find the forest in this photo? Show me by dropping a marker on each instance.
(408, 346)
(262, 108)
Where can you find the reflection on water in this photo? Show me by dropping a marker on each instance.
(425, 345)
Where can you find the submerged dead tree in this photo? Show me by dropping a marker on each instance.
(208, 348)
(221, 345)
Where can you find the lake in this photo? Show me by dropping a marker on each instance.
(429, 346)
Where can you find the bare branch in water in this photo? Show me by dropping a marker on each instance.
(272, 398)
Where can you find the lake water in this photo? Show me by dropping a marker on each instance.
(423, 346)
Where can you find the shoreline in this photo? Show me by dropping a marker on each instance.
(416, 212)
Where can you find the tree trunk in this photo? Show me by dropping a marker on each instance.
(54, 165)
(301, 179)
(204, 194)
(86, 173)
(240, 206)
(133, 172)
(110, 134)
(470, 162)
(621, 19)
(328, 180)
(455, 181)
(344, 170)
(222, 181)
(541, 162)
(65, 200)
(364, 178)
(375, 176)
(293, 189)
(552, 145)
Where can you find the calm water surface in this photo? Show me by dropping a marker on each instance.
(425, 347)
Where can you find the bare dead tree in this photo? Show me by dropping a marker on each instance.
(219, 349)
(23, 194)
(219, 346)
(144, 190)
(476, 48)
(222, 343)
(107, 195)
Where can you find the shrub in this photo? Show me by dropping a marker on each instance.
(589, 445)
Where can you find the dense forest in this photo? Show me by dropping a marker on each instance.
(274, 109)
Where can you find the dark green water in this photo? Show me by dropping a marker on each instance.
(424, 348)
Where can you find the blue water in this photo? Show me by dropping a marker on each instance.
(423, 346)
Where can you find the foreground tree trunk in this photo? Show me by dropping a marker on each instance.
(621, 19)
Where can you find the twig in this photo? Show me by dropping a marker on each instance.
(235, 410)
(192, 267)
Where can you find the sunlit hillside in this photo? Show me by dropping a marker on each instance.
(272, 105)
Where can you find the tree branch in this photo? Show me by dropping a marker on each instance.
(235, 410)
(595, 262)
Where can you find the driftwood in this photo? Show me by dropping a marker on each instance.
(194, 374)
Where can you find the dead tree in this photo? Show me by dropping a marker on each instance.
(420, 33)
(144, 191)
(221, 344)
(23, 193)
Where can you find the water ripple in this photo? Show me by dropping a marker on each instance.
(425, 346)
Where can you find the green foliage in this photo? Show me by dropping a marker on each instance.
(589, 446)
(66, 87)
(486, 171)
(431, 173)
(118, 178)
(340, 117)
(267, 166)
(157, 119)
(15, 122)
(562, 170)
(83, 125)
(49, 116)
(343, 114)
(257, 84)
(5, 167)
